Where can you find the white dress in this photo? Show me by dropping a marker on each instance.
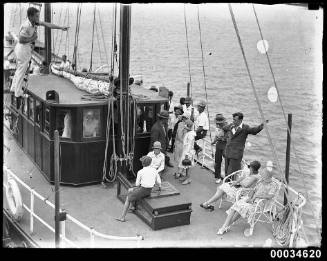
(188, 147)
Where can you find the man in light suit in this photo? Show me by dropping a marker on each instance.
(238, 133)
(159, 132)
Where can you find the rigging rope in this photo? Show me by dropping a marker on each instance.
(204, 78)
(258, 102)
(284, 114)
(75, 53)
(98, 41)
(103, 39)
(90, 69)
(57, 32)
(188, 52)
(66, 14)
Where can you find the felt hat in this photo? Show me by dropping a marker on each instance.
(220, 118)
(188, 100)
(179, 107)
(163, 114)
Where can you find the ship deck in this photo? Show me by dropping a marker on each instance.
(97, 206)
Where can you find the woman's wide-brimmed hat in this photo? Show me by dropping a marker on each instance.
(188, 124)
(156, 145)
(163, 114)
(220, 118)
(146, 161)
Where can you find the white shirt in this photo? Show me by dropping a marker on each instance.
(27, 29)
(64, 65)
(158, 161)
(202, 120)
(234, 129)
(147, 178)
(188, 111)
(171, 107)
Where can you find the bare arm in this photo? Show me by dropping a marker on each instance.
(53, 26)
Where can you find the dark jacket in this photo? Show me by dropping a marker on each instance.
(158, 134)
(236, 143)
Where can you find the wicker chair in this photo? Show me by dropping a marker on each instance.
(228, 179)
(265, 210)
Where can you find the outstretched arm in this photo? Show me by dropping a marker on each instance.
(53, 26)
(255, 130)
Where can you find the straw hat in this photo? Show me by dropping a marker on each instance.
(156, 145)
(202, 104)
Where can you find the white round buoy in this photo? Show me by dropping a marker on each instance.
(272, 94)
(269, 165)
(262, 46)
(14, 199)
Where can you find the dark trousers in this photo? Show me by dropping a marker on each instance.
(233, 165)
(170, 137)
(199, 135)
(220, 154)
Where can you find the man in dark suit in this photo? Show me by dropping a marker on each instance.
(238, 133)
(159, 132)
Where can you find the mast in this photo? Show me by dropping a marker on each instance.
(47, 37)
(124, 55)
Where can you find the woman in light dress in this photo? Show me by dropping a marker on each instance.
(178, 146)
(187, 153)
(245, 207)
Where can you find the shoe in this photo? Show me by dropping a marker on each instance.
(223, 230)
(177, 175)
(187, 181)
(210, 207)
(170, 165)
(182, 178)
(218, 181)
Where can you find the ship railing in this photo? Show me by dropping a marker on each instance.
(92, 232)
(207, 160)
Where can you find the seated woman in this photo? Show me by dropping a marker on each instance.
(230, 189)
(245, 207)
(145, 181)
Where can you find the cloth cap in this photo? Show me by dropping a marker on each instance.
(179, 107)
(156, 145)
(146, 161)
(163, 114)
(188, 100)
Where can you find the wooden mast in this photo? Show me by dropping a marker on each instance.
(47, 37)
(124, 56)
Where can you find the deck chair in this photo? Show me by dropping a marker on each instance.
(265, 210)
(228, 179)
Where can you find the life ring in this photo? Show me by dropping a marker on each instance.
(14, 199)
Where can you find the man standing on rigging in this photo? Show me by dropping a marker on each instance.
(238, 133)
(23, 50)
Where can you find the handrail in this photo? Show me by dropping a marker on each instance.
(91, 230)
(207, 142)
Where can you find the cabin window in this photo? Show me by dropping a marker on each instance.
(38, 111)
(47, 120)
(25, 105)
(91, 123)
(31, 109)
(145, 118)
(64, 123)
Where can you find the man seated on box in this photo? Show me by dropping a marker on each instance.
(158, 158)
(146, 178)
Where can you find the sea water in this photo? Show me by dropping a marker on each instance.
(159, 54)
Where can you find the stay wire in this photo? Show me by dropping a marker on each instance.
(188, 52)
(91, 60)
(204, 77)
(284, 114)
